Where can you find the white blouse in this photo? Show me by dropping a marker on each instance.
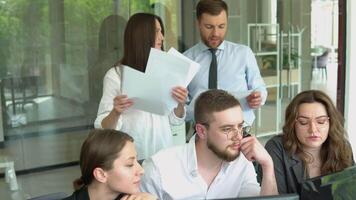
(151, 132)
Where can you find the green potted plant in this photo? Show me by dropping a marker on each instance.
(292, 62)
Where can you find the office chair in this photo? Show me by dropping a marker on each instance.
(321, 63)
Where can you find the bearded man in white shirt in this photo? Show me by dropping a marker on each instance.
(216, 163)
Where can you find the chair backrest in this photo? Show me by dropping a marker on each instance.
(322, 60)
(52, 196)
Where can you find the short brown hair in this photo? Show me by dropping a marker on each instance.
(336, 153)
(212, 101)
(139, 37)
(100, 149)
(212, 7)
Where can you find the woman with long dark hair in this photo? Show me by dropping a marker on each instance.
(151, 132)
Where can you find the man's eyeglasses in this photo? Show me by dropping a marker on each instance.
(231, 132)
(320, 122)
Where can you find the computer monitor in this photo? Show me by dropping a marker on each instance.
(272, 197)
(338, 185)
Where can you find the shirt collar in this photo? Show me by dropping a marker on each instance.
(202, 47)
(192, 163)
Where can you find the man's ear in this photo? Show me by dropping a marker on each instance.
(201, 131)
(100, 175)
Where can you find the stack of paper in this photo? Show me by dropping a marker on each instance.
(152, 91)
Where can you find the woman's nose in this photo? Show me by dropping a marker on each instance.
(140, 170)
(312, 127)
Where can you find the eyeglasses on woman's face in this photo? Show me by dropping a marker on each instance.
(320, 122)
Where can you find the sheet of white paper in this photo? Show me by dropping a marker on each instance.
(171, 70)
(193, 68)
(152, 91)
(145, 96)
(241, 95)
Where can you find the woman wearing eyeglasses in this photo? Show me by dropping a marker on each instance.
(313, 142)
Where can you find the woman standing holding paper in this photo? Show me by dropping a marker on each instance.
(151, 132)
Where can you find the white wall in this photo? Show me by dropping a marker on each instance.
(350, 99)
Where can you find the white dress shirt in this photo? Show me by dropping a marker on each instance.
(238, 72)
(173, 173)
(151, 132)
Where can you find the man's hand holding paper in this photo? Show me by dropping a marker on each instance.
(254, 99)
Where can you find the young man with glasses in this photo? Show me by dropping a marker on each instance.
(216, 163)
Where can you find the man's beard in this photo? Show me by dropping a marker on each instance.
(223, 154)
(206, 42)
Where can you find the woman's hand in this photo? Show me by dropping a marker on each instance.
(121, 103)
(139, 196)
(180, 95)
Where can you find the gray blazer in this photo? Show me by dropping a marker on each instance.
(289, 170)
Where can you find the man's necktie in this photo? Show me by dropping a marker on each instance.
(213, 71)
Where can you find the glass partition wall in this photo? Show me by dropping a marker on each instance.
(54, 54)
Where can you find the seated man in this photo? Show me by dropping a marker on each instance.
(210, 165)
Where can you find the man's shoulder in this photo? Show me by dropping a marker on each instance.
(169, 155)
(165, 162)
(192, 50)
(236, 46)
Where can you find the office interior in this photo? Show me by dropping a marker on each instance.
(54, 54)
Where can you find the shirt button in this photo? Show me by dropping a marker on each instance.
(194, 173)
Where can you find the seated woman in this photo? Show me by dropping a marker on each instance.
(109, 168)
(313, 142)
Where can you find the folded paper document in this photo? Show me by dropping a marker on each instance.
(151, 91)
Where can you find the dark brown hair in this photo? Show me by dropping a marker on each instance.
(139, 37)
(336, 152)
(211, 7)
(100, 149)
(212, 101)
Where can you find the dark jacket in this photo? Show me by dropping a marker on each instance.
(289, 170)
(82, 194)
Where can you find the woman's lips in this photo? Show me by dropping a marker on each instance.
(313, 138)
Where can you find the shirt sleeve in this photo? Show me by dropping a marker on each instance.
(275, 150)
(176, 121)
(111, 89)
(151, 180)
(250, 186)
(253, 76)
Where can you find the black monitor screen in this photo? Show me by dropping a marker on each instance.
(273, 197)
(339, 185)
